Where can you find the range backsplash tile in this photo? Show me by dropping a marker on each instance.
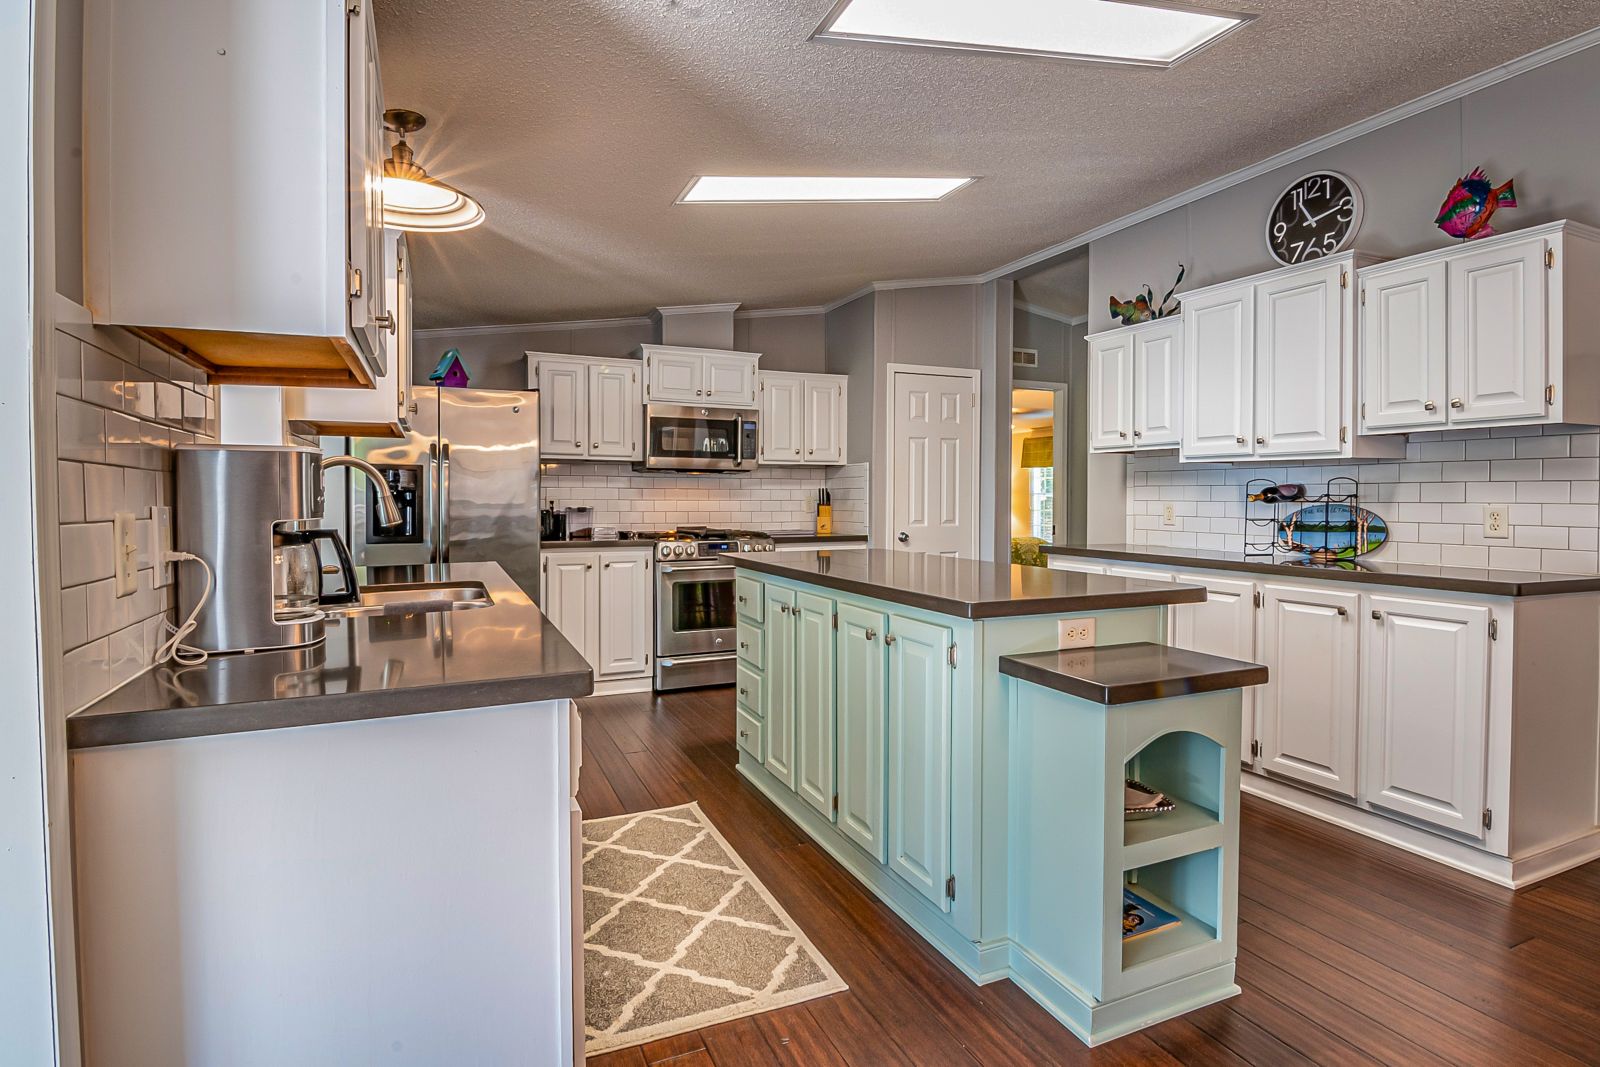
(1433, 501)
(771, 498)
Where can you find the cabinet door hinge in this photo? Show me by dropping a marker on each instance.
(1363, 296)
(952, 655)
(1549, 259)
(1550, 395)
(1344, 279)
(1488, 818)
(1494, 629)
(1363, 411)
(950, 887)
(1344, 435)
(353, 8)
(836, 620)
(1258, 598)
(1255, 749)
(836, 803)
(355, 283)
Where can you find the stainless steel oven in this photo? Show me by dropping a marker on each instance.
(688, 438)
(696, 628)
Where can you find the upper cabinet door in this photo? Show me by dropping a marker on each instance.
(1403, 348)
(1497, 333)
(1427, 710)
(1308, 708)
(615, 411)
(1111, 393)
(782, 434)
(1158, 385)
(824, 417)
(730, 381)
(1219, 374)
(563, 406)
(364, 153)
(1300, 346)
(675, 377)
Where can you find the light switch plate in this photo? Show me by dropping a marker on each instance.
(125, 548)
(161, 541)
(1169, 515)
(1495, 522)
(1075, 633)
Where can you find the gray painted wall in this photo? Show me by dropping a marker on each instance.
(1538, 128)
(849, 338)
(786, 342)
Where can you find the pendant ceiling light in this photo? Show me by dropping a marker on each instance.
(411, 199)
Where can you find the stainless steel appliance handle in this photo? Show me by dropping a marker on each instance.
(715, 573)
(444, 502)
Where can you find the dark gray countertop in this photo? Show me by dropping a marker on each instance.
(1366, 571)
(1125, 674)
(966, 588)
(369, 667)
(782, 537)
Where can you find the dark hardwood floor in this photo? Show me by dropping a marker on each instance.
(1349, 951)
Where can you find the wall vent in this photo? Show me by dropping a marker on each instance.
(1024, 357)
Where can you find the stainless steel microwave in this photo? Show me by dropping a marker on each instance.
(689, 438)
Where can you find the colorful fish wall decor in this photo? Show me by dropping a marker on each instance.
(1144, 307)
(1472, 202)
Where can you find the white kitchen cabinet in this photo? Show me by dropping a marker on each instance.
(603, 602)
(708, 377)
(1136, 387)
(1300, 371)
(803, 418)
(1111, 392)
(1479, 334)
(1269, 367)
(1219, 372)
(1225, 625)
(1310, 641)
(588, 408)
(256, 269)
(381, 411)
(1426, 669)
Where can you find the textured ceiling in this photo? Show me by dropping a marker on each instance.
(578, 123)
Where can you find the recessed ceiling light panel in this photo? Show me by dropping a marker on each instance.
(1103, 31)
(782, 189)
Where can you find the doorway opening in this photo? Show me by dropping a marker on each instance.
(1038, 469)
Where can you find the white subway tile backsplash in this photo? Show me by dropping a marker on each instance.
(1542, 447)
(1491, 449)
(1575, 470)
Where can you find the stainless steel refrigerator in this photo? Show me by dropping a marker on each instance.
(467, 480)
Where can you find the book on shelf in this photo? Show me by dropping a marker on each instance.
(1141, 917)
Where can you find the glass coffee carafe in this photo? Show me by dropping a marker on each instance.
(297, 574)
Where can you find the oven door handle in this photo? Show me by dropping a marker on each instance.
(711, 573)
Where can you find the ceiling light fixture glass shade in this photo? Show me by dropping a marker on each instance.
(411, 199)
(1103, 31)
(782, 189)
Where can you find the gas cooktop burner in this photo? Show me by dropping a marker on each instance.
(704, 543)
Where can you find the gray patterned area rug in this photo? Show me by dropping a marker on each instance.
(679, 934)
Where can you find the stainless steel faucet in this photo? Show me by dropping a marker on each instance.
(388, 509)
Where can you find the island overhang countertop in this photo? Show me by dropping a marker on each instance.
(369, 667)
(966, 588)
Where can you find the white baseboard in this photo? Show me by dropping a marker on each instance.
(611, 687)
(1511, 873)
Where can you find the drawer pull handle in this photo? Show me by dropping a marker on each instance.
(1377, 614)
(1456, 403)
(743, 691)
(1343, 612)
(1239, 441)
(744, 735)
(1430, 406)
(742, 600)
(1261, 440)
(743, 645)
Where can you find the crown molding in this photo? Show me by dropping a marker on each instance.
(696, 309)
(1049, 313)
(538, 327)
(780, 313)
(1449, 93)
(901, 283)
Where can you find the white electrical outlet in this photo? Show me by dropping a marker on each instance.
(161, 544)
(125, 547)
(1494, 521)
(1075, 633)
(1169, 515)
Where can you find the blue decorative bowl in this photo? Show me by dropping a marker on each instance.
(1332, 531)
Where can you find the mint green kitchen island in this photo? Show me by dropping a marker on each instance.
(912, 714)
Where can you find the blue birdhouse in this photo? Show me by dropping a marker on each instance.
(451, 373)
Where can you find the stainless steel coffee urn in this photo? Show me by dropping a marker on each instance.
(252, 513)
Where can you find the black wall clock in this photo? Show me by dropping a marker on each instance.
(1316, 216)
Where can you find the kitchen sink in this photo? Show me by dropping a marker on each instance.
(407, 597)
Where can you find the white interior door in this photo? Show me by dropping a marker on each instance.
(933, 463)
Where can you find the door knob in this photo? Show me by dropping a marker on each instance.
(888, 639)
(1377, 614)
(385, 322)
(1456, 403)
(904, 537)
(872, 634)
(1122, 434)
(1261, 440)
(1344, 613)
(1430, 406)
(1239, 441)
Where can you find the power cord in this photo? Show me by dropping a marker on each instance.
(174, 650)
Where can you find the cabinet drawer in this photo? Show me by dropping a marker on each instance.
(748, 682)
(750, 596)
(752, 645)
(749, 730)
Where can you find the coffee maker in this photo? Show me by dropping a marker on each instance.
(253, 514)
